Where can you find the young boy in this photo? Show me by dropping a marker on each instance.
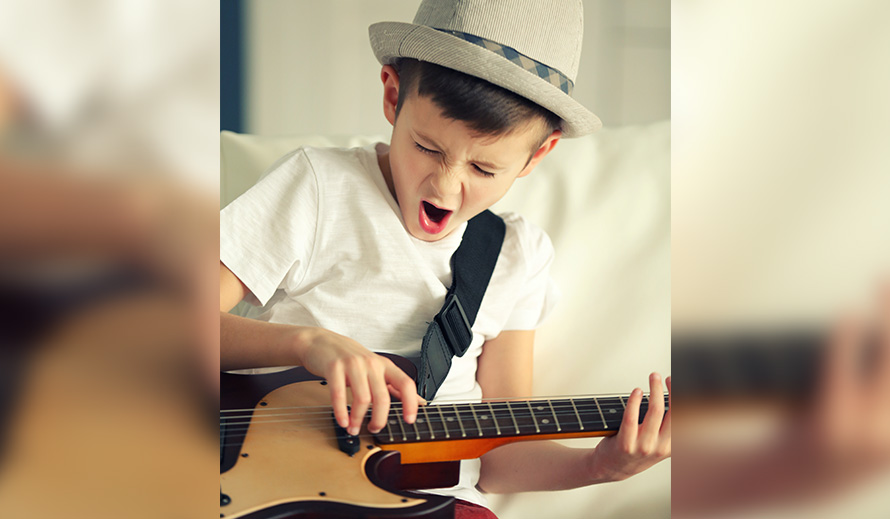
(348, 251)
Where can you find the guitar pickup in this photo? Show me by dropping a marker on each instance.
(347, 443)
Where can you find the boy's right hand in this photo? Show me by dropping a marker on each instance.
(372, 378)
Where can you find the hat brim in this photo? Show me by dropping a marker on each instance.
(393, 40)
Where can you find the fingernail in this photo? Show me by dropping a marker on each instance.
(352, 431)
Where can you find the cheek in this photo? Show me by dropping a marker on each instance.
(488, 191)
(407, 173)
(413, 167)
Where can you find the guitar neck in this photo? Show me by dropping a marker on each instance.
(461, 431)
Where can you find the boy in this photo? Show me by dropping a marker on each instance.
(349, 251)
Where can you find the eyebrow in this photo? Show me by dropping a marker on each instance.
(483, 163)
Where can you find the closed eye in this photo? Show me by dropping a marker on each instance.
(480, 170)
(425, 150)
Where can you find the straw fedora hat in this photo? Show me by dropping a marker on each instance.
(530, 47)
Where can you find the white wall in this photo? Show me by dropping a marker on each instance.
(310, 69)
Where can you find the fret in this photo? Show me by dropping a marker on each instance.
(503, 417)
(460, 422)
(444, 424)
(532, 411)
(525, 418)
(568, 420)
(416, 430)
(546, 422)
(476, 418)
(467, 417)
(494, 418)
(401, 425)
(577, 415)
(389, 428)
(555, 419)
(613, 412)
(513, 417)
(428, 422)
(621, 398)
(600, 409)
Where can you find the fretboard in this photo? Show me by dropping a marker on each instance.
(492, 419)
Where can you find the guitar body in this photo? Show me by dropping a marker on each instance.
(279, 457)
(282, 455)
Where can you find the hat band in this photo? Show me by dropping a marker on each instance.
(548, 74)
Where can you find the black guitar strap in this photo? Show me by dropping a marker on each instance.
(450, 332)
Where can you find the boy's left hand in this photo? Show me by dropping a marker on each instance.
(637, 446)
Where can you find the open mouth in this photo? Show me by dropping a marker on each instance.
(434, 213)
(433, 219)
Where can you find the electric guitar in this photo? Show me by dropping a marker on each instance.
(282, 454)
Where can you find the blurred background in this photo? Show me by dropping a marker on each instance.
(780, 256)
(109, 160)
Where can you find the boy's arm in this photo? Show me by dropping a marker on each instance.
(248, 343)
(505, 370)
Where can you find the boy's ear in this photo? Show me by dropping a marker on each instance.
(390, 79)
(543, 150)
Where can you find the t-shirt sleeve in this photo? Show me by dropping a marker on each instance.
(269, 232)
(538, 294)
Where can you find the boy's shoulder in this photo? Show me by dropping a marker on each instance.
(525, 240)
(323, 158)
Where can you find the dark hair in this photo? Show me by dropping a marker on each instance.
(483, 106)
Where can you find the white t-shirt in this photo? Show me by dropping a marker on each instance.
(320, 241)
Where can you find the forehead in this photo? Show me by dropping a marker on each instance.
(424, 117)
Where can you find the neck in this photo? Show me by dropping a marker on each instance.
(504, 422)
(383, 162)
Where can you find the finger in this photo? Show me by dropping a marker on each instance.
(407, 389)
(380, 400)
(627, 435)
(655, 413)
(393, 391)
(665, 431)
(361, 396)
(337, 381)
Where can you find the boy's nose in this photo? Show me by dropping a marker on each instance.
(446, 181)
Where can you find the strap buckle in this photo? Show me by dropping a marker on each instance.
(455, 326)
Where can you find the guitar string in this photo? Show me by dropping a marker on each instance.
(411, 435)
(614, 426)
(325, 418)
(485, 400)
(535, 400)
(560, 410)
(327, 409)
(313, 424)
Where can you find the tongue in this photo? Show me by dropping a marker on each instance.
(434, 212)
